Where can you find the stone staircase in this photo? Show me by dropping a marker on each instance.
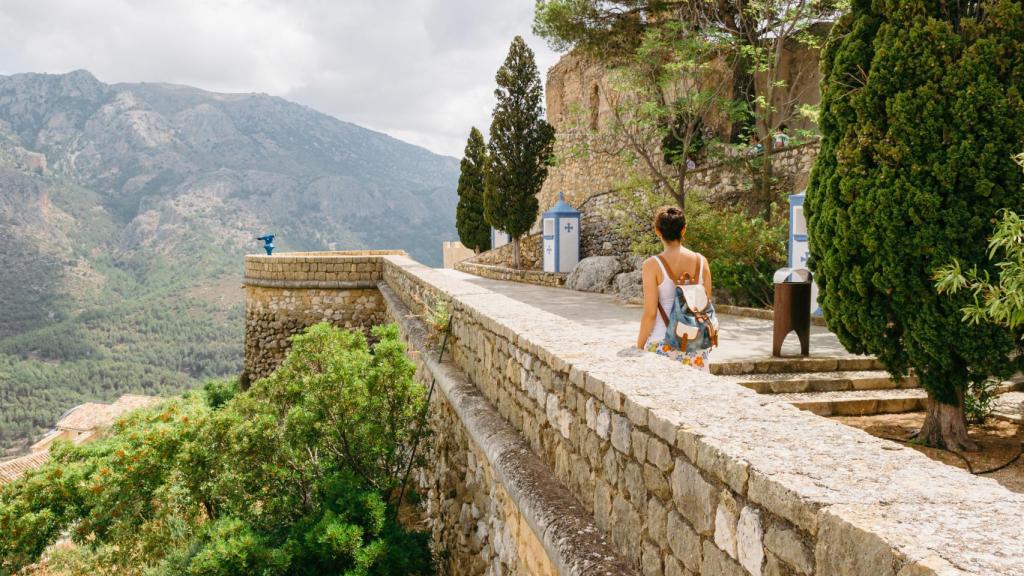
(842, 386)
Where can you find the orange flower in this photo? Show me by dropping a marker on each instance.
(665, 348)
(699, 361)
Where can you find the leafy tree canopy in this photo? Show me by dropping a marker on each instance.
(520, 145)
(474, 232)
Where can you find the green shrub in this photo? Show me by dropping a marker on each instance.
(297, 475)
(743, 251)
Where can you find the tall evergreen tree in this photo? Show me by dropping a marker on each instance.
(474, 232)
(922, 112)
(520, 147)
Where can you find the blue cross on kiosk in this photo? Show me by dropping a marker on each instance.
(568, 226)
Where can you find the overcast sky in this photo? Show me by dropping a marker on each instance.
(419, 70)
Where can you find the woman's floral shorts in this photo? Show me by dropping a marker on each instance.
(698, 360)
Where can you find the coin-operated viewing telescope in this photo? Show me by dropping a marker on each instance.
(268, 243)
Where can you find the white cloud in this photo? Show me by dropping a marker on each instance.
(420, 70)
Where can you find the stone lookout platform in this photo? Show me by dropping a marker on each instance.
(557, 450)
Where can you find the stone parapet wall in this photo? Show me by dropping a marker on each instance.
(538, 277)
(301, 267)
(530, 256)
(688, 473)
(492, 506)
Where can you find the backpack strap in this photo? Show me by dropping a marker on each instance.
(667, 270)
(700, 270)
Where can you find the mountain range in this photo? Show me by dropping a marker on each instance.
(125, 210)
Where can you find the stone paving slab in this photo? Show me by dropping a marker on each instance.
(740, 339)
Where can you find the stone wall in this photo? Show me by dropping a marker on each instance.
(579, 108)
(530, 256)
(493, 272)
(686, 473)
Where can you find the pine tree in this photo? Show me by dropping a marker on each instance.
(921, 116)
(474, 232)
(519, 149)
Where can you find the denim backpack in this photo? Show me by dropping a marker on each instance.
(691, 325)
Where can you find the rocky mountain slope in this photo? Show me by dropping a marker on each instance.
(125, 210)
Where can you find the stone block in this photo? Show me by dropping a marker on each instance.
(602, 504)
(845, 550)
(694, 496)
(686, 440)
(639, 439)
(621, 433)
(717, 563)
(674, 568)
(602, 423)
(684, 542)
(635, 483)
(626, 529)
(657, 517)
(636, 413)
(727, 469)
(658, 453)
(749, 540)
(657, 483)
(613, 399)
(726, 517)
(771, 495)
(790, 548)
(650, 562)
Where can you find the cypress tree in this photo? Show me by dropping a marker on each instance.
(474, 232)
(921, 116)
(519, 149)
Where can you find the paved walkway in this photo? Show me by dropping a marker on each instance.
(740, 338)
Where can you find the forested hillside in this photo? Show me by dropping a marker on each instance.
(124, 213)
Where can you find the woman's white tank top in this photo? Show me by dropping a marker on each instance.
(666, 297)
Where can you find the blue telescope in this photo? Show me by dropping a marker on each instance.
(268, 243)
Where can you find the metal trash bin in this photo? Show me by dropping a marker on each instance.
(792, 309)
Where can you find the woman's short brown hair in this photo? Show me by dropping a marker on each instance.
(670, 222)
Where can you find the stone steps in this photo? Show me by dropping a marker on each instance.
(794, 365)
(857, 402)
(1010, 406)
(789, 383)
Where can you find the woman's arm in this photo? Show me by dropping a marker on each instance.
(649, 274)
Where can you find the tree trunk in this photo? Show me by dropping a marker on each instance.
(945, 426)
(767, 177)
(743, 90)
(515, 252)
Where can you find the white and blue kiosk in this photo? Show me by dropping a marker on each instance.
(799, 244)
(499, 238)
(561, 233)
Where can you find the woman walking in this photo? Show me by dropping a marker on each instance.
(660, 281)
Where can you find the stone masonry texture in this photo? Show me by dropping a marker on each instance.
(689, 473)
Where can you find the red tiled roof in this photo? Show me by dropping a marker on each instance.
(11, 470)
